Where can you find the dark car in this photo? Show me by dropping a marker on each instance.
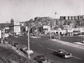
(76, 33)
(62, 53)
(40, 58)
(15, 44)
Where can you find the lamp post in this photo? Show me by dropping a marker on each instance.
(28, 44)
(29, 51)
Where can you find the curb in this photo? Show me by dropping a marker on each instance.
(68, 43)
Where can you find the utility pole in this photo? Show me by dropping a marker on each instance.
(28, 44)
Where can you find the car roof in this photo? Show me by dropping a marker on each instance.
(41, 55)
(62, 50)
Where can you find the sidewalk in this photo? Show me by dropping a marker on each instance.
(68, 43)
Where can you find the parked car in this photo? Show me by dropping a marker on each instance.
(26, 51)
(75, 33)
(40, 58)
(62, 53)
(14, 44)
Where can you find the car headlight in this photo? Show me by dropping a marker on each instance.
(66, 56)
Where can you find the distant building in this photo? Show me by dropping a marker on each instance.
(80, 17)
(3, 25)
(23, 27)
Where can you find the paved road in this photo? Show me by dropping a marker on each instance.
(45, 46)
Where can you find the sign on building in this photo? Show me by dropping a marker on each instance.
(17, 29)
(16, 23)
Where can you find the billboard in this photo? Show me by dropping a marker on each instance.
(17, 29)
(0, 33)
(16, 23)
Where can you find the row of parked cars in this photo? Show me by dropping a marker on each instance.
(18, 46)
(40, 58)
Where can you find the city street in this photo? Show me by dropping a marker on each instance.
(53, 28)
(46, 47)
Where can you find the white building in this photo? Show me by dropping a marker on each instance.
(46, 27)
(17, 27)
(17, 30)
(0, 33)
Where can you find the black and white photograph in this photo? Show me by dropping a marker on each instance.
(41, 31)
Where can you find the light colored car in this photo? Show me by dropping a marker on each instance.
(62, 53)
(26, 51)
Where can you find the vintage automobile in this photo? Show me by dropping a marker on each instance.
(62, 53)
(40, 58)
(26, 51)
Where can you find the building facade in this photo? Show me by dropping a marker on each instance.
(80, 17)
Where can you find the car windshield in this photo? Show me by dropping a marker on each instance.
(76, 31)
(67, 53)
(62, 51)
(40, 56)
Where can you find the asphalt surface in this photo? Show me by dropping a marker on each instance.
(46, 47)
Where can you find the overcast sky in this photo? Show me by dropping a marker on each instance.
(21, 10)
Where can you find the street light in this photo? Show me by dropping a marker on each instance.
(28, 44)
(29, 51)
